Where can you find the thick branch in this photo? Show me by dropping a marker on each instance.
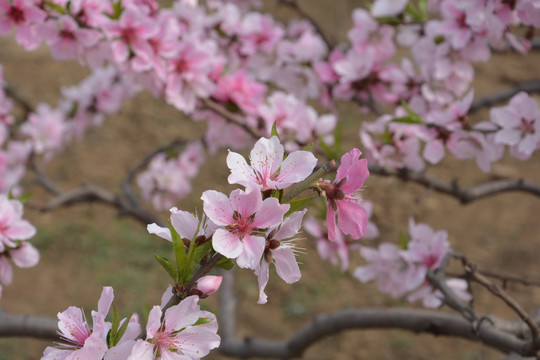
(463, 194)
(28, 325)
(418, 321)
(530, 86)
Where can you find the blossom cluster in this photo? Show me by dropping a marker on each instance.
(183, 331)
(399, 270)
(453, 35)
(14, 233)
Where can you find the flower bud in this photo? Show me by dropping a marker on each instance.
(209, 284)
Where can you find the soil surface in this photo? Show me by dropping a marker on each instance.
(86, 247)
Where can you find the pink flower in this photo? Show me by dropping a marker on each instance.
(81, 341)
(245, 217)
(334, 251)
(352, 218)
(519, 123)
(280, 250)
(46, 128)
(268, 170)
(239, 88)
(433, 298)
(131, 32)
(12, 227)
(24, 14)
(177, 337)
(392, 272)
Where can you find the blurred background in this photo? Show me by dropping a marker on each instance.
(87, 246)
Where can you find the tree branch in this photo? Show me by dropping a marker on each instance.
(463, 194)
(130, 177)
(417, 321)
(89, 193)
(529, 86)
(28, 325)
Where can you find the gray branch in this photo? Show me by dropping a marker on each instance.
(463, 194)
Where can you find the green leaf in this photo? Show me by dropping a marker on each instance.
(307, 147)
(390, 20)
(202, 321)
(403, 241)
(122, 329)
(179, 252)
(25, 197)
(407, 120)
(170, 268)
(198, 254)
(297, 204)
(411, 113)
(55, 7)
(274, 132)
(413, 12)
(225, 263)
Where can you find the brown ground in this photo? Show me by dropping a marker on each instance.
(86, 247)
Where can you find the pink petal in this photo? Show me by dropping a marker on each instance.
(197, 341)
(352, 218)
(252, 251)
(291, 225)
(262, 272)
(266, 156)
(6, 271)
(241, 172)
(25, 256)
(270, 213)
(182, 315)
(217, 207)
(142, 351)
(227, 243)
(295, 168)
(246, 202)
(286, 265)
(162, 232)
(21, 230)
(184, 223)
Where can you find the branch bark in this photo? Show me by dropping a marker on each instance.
(464, 194)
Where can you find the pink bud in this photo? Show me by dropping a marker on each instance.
(209, 284)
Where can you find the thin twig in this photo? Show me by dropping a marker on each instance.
(500, 293)
(463, 194)
(437, 280)
(19, 99)
(130, 176)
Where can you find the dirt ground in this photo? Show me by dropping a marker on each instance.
(86, 247)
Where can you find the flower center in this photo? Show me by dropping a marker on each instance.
(16, 14)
